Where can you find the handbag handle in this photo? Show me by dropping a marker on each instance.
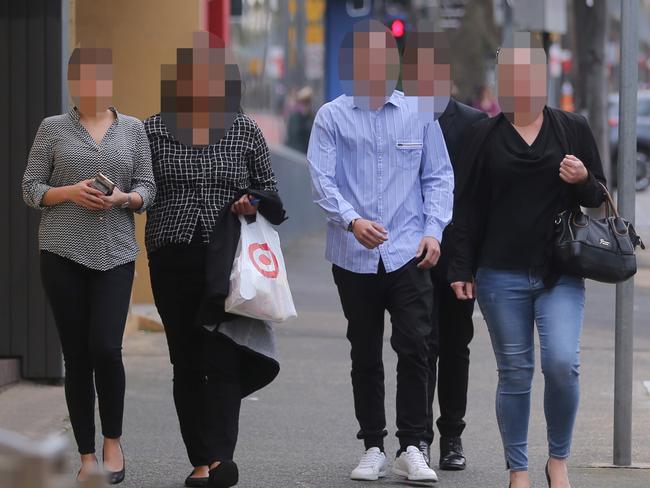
(611, 206)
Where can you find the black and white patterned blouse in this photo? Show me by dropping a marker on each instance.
(63, 154)
(196, 182)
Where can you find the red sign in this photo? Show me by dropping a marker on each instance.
(264, 260)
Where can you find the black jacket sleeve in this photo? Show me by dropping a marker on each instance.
(590, 193)
(470, 204)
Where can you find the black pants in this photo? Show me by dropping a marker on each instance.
(452, 332)
(407, 295)
(207, 386)
(90, 309)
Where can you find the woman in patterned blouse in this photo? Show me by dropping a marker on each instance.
(87, 243)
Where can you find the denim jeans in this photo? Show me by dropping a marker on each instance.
(512, 302)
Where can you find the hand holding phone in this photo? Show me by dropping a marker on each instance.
(86, 195)
(103, 184)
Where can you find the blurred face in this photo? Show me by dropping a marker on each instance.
(521, 73)
(426, 72)
(201, 93)
(90, 79)
(369, 64)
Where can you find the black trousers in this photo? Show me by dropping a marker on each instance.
(453, 330)
(90, 309)
(407, 295)
(207, 386)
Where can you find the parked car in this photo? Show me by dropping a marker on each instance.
(642, 137)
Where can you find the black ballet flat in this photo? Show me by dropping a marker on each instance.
(548, 476)
(116, 477)
(224, 476)
(196, 482)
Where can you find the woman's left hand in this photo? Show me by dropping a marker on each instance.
(117, 198)
(572, 170)
(243, 206)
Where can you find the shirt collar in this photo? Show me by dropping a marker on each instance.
(74, 113)
(159, 127)
(393, 99)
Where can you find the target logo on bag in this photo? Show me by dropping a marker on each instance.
(264, 260)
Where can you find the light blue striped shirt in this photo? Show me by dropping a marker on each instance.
(382, 165)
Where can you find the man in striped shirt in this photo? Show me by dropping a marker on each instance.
(385, 182)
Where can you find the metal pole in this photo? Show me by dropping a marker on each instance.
(624, 349)
(508, 27)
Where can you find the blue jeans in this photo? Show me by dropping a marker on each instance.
(512, 302)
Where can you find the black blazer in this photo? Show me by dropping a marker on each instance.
(455, 122)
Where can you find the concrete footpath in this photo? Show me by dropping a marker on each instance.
(300, 431)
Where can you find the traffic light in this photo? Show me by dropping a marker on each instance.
(397, 21)
(397, 28)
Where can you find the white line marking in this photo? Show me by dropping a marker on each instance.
(647, 386)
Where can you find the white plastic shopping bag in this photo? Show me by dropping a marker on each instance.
(259, 287)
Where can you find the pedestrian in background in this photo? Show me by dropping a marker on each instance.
(485, 102)
(88, 246)
(426, 76)
(207, 162)
(519, 171)
(385, 183)
(301, 118)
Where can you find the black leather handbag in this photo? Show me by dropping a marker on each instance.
(597, 249)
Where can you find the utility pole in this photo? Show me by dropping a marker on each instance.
(624, 349)
(590, 34)
(508, 27)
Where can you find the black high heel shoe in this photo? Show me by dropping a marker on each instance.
(224, 476)
(548, 476)
(116, 477)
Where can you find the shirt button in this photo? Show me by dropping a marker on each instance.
(101, 218)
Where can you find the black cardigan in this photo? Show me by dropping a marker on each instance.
(470, 213)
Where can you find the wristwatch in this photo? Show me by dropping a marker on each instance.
(351, 225)
(127, 204)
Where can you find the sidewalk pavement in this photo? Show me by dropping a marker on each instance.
(300, 431)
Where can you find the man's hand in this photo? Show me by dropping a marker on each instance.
(369, 234)
(572, 170)
(243, 206)
(86, 196)
(464, 290)
(429, 248)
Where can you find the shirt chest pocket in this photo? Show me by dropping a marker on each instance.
(408, 154)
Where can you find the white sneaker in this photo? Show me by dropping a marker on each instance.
(412, 465)
(373, 465)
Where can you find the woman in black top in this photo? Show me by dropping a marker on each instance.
(205, 153)
(521, 168)
(87, 243)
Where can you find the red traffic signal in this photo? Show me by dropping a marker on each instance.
(397, 28)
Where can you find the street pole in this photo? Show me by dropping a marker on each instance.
(508, 27)
(624, 349)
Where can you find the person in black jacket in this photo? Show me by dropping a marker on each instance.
(519, 170)
(452, 318)
(426, 77)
